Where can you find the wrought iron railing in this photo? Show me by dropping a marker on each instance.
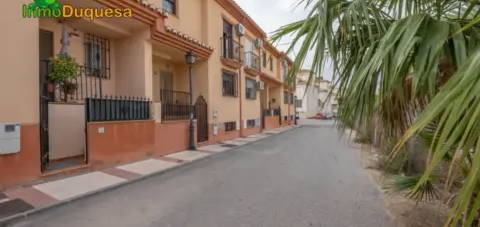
(175, 105)
(117, 109)
(277, 112)
(231, 49)
(80, 87)
(272, 112)
(252, 61)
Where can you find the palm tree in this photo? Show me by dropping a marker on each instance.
(414, 67)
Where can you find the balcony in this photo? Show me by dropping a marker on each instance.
(175, 105)
(252, 63)
(231, 52)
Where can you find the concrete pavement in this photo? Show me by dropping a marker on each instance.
(304, 177)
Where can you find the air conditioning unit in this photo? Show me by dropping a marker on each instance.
(261, 85)
(240, 29)
(259, 43)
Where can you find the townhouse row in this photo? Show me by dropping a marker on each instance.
(132, 97)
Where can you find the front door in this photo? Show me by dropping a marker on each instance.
(46, 52)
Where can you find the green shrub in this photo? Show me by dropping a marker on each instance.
(63, 68)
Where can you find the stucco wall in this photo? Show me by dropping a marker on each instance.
(66, 130)
(128, 141)
(189, 18)
(134, 65)
(19, 88)
(19, 56)
(272, 122)
(15, 168)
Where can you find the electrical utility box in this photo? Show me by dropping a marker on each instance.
(9, 138)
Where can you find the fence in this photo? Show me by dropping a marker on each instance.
(175, 105)
(272, 112)
(117, 109)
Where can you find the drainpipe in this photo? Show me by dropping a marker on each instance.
(240, 88)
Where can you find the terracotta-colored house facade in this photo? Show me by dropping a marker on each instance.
(131, 99)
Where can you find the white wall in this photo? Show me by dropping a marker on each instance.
(309, 96)
(66, 124)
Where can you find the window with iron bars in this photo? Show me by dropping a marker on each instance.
(229, 84)
(299, 103)
(286, 97)
(97, 56)
(230, 126)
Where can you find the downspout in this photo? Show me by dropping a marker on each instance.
(240, 86)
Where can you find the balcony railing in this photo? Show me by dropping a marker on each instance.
(175, 105)
(231, 49)
(252, 61)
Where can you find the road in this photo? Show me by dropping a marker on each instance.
(304, 177)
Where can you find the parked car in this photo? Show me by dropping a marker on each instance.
(319, 116)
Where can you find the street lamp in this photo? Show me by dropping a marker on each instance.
(190, 58)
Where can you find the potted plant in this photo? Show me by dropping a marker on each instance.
(64, 68)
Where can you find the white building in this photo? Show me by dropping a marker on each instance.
(307, 95)
(327, 98)
(316, 97)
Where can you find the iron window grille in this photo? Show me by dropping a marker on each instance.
(291, 99)
(170, 6)
(229, 84)
(97, 56)
(250, 89)
(230, 126)
(298, 103)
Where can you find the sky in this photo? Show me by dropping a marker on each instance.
(272, 14)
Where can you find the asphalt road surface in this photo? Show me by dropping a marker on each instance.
(305, 177)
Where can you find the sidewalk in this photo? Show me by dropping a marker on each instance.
(17, 203)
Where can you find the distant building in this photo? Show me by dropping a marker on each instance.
(307, 103)
(317, 96)
(327, 98)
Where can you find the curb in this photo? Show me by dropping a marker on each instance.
(23, 216)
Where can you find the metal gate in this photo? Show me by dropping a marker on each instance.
(45, 98)
(45, 52)
(201, 112)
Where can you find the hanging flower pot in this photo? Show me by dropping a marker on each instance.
(64, 68)
(50, 87)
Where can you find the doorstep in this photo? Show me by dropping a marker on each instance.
(20, 202)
